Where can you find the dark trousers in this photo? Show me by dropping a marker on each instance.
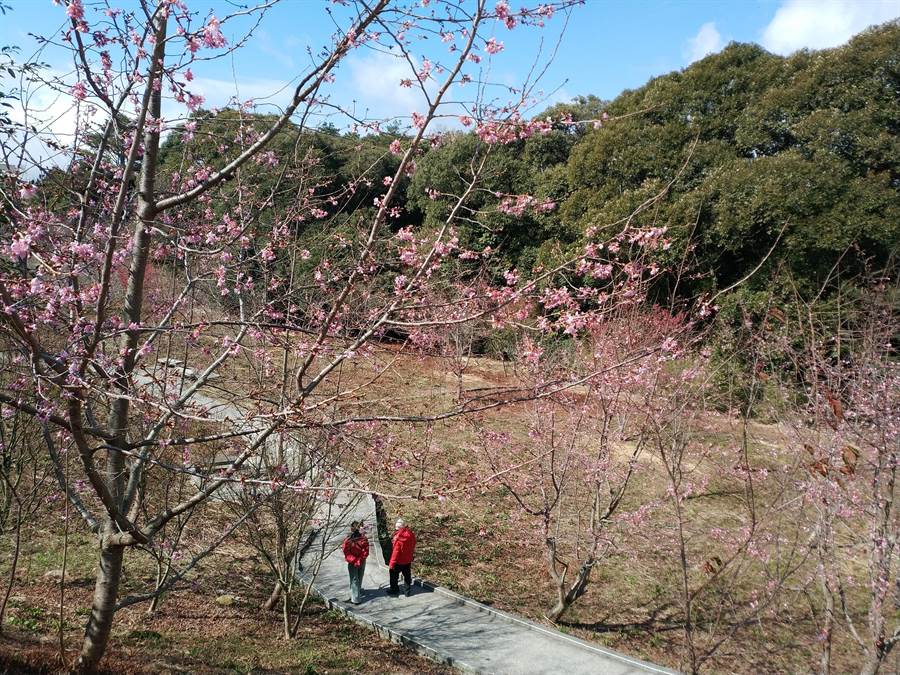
(394, 574)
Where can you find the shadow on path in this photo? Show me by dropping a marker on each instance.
(451, 628)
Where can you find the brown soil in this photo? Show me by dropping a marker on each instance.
(190, 633)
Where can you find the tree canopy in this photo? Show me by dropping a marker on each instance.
(756, 146)
(741, 152)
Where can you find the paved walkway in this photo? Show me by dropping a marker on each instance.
(448, 627)
(433, 621)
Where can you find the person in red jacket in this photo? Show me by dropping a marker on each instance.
(356, 550)
(402, 557)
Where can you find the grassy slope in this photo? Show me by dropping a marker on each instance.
(478, 544)
(190, 632)
(475, 544)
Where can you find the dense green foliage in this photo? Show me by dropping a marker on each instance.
(535, 167)
(740, 153)
(754, 144)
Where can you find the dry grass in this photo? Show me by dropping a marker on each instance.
(478, 543)
(190, 632)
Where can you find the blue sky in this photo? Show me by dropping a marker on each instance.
(607, 46)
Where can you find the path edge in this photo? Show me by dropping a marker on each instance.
(380, 515)
(396, 637)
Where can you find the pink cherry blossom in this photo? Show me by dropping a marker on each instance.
(75, 10)
(212, 34)
(20, 248)
(493, 47)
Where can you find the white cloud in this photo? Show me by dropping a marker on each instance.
(820, 24)
(49, 109)
(706, 41)
(220, 93)
(374, 86)
(53, 118)
(367, 86)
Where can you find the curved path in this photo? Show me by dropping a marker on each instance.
(445, 626)
(434, 621)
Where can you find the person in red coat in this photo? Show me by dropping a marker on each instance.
(356, 550)
(401, 557)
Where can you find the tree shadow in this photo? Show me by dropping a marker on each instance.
(658, 620)
(369, 594)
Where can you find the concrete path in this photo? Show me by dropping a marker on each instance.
(434, 621)
(446, 626)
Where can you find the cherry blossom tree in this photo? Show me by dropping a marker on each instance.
(588, 430)
(728, 519)
(846, 434)
(107, 279)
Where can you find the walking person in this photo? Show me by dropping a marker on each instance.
(401, 557)
(356, 550)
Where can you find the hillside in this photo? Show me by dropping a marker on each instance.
(734, 153)
(757, 144)
(629, 368)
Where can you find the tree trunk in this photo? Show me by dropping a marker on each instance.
(274, 597)
(161, 577)
(103, 608)
(871, 666)
(828, 626)
(555, 613)
(566, 599)
(14, 566)
(286, 613)
(109, 569)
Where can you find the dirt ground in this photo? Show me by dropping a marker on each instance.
(191, 633)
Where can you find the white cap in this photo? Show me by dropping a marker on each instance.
(400, 523)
